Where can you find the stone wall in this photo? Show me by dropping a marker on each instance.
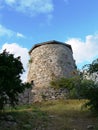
(49, 61)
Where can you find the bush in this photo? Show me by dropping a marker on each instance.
(89, 90)
(80, 88)
(71, 84)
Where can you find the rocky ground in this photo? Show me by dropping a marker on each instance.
(49, 115)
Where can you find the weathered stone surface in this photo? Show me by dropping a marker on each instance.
(90, 127)
(49, 61)
(8, 121)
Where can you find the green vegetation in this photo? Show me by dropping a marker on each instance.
(91, 68)
(11, 85)
(50, 115)
(80, 87)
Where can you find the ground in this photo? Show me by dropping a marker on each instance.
(50, 115)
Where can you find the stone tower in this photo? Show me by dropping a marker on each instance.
(50, 60)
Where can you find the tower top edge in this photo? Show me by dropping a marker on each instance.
(50, 42)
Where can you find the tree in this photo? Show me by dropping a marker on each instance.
(91, 69)
(11, 85)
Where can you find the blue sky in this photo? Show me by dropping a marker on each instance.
(24, 23)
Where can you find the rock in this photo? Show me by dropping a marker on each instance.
(10, 118)
(90, 127)
(52, 116)
(10, 123)
(7, 118)
(27, 126)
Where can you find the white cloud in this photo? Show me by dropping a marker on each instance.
(84, 51)
(17, 50)
(9, 33)
(5, 32)
(20, 35)
(31, 7)
(10, 2)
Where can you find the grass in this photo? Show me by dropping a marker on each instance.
(51, 115)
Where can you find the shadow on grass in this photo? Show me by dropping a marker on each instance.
(50, 115)
(24, 119)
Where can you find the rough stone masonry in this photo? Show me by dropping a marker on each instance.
(48, 61)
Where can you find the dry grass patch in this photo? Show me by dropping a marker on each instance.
(52, 115)
(69, 115)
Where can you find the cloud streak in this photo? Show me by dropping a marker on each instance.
(31, 7)
(5, 32)
(20, 35)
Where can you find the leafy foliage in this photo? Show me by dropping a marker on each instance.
(81, 88)
(93, 67)
(91, 91)
(10, 83)
(72, 84)
(90, 69)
